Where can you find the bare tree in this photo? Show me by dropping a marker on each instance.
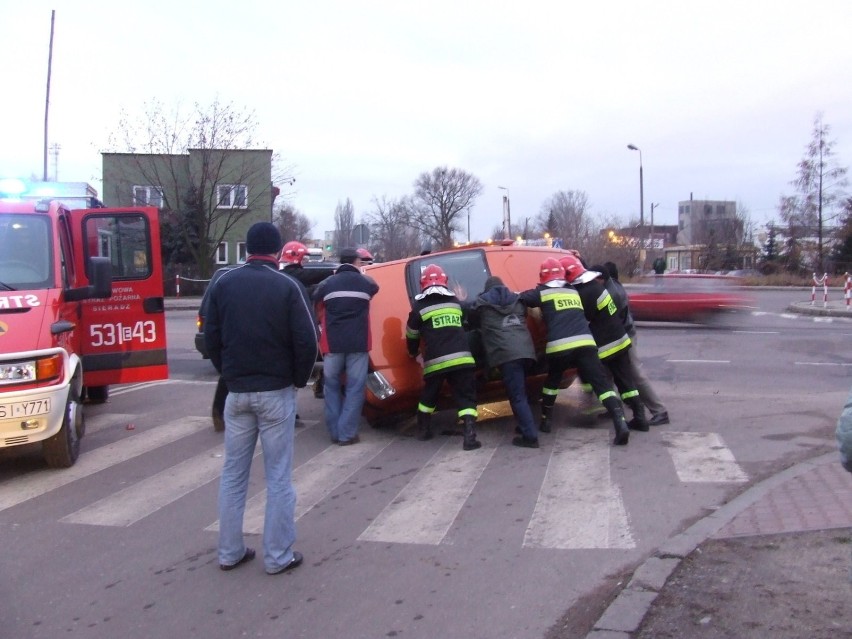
(189, 156)
(819, 187)
(440, 201)
(344, 222)
(293, 224)
(566, 216)
(392, 234)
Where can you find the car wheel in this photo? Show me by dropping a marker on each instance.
(62, 450)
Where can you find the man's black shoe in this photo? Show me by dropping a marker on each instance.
(349, 442)
(525, 442)
(659, 419)
(295, 562)
(248, 556)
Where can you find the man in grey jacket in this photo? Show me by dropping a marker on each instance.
(501, 319)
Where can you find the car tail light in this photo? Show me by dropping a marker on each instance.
(379, 386)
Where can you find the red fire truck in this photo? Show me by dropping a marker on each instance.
(81, 307)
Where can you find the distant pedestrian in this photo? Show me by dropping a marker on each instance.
(649, 397)
(343, 302)
(844, 434)
(501, 319)
(436, 319)
(609, 333)
(261, 336)
(570, 345)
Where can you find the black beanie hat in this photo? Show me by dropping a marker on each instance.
(263, 239)
(491, 282)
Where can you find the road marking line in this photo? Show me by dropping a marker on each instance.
(579, 506)
(146, 497)
(314, 481)
(16, 490)
(699, 361)
(757, 332)
(703, 457)
(822, 364)
(424, 510)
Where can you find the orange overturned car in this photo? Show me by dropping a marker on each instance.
(395, 380)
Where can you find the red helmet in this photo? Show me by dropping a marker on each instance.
(550, 270)
(365, 255)
(432, 275)
(573, 267)
(294, 252)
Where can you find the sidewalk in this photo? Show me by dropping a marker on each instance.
(773, 562)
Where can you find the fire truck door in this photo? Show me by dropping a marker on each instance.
(124, 337)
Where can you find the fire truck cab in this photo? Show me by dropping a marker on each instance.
(81, 307)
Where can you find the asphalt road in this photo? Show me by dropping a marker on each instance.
(405, 538)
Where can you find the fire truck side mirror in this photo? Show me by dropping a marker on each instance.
(100, 278)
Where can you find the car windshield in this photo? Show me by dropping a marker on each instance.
(25, 251)
(466, 271)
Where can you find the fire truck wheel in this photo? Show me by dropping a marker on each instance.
(62, 450)
(97, 394)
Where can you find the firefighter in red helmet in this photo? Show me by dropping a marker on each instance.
(437, 319)
(613, 342)
(569, 345)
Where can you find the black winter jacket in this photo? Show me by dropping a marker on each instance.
(501, 319)
(259, 330)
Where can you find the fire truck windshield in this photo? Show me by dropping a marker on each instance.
(25, 251)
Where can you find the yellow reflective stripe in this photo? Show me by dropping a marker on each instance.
(411, 333)
(629, 394)
(606, 301)
(468, 411)
(613, 347)
(423, 408)
(549, 391)
(606, 395)
(441, 365)
(449, 307)
(566, 344)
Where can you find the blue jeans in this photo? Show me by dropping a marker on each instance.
(343, 413)
(514, 378)
(272, 415)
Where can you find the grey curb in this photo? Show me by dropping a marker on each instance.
(626, 612)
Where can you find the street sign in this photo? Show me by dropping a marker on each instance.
(361, 234)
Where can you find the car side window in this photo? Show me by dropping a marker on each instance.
(466, 272)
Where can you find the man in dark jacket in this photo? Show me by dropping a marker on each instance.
(570, 344)
(649, 397)
(437, 319)
(501, 319)
(261, 337)
(343, 307)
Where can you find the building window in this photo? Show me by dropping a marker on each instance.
(232, 196)
(241, 252)
(222, 253)
(720, 210)
(148, 196)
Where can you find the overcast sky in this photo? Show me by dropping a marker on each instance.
(535, 96)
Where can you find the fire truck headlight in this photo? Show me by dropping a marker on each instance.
(18, 372)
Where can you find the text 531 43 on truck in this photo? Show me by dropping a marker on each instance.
(81, 307)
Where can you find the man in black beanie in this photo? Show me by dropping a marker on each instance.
(261, 336)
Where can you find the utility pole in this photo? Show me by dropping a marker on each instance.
(47, 95)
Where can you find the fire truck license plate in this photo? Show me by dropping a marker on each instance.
(24, 409)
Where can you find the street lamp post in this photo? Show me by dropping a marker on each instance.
(633, 147)
(653, 205)
(507, 215)
(468, 225)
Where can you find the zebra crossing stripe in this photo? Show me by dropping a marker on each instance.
(424, 510)
(578, 505)
(16, 490)
(313, 481)
(703, 457)
(146, 497)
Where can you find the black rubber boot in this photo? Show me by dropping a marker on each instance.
(424, 421)
(622, 430)
(546, 414)
(470, 441)
(639, 421)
